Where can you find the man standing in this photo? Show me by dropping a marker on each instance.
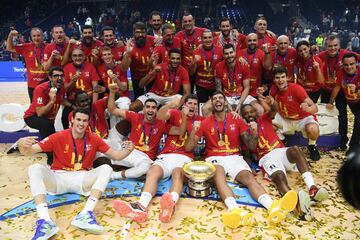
(90, 46)
(161, 52)
(137, 56)
(169, 79)
(348, 79)
(117, 49)
(203, 65)
(296, 110)
(263, 35)
(168, 163)
(33, 53)
(222, 133)
(74, 151)
(227, 36)
(155, 21)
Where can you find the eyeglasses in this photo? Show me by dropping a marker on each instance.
(58, 75)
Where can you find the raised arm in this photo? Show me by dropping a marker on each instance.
(192, 139)
(9, 42)
(111, 102)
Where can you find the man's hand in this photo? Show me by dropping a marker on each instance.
(352, 87)
(185, 110)
(76, 76)
(128, 145)
(55, 54)
(129, 46)
(330, 106)
(113, 87)
(52, 96)
(196, 126)
(13, 33)
(196, 59)
(99, 89)
(95, 51)
(73, 41)
(265, 47)
(26, 143)
(253, 126)
(305, 107)
(316, 65)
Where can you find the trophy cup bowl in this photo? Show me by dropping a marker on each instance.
(198, 174)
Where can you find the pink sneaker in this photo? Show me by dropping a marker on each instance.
(134, 211)
(167, 206)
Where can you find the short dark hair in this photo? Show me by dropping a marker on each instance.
(332, 37)
(55, 68)
(260, 18)
(224, 19)
(87, 27)
(36, 29)
(206, 31)
(155, 13)
(350, 55)
(107, 28)
(228, 45)
(150, 100)
(139, 25)
(279, 69)
(174, 50)
(191, 96)
(217, 92)
(78, 93)
(167, 26)
(81, 110)
(302, 42)
(244, 106)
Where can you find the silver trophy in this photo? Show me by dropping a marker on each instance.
(198, 174)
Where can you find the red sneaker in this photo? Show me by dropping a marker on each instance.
(134, 211)
(167, 206)
(318, 194)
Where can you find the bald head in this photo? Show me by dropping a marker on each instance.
(282, 44)
(251, 41)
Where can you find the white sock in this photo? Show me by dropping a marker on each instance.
(43, 211)
(175, 196)
(145, 199)
(265, 200)
(308, 179)
(90, 204)
(231, 203)
(116, 175)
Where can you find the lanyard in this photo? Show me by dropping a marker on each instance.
(207, 63)
(146, 138)
(346, 78)
(192, 43)
(283, 57)
(231, 80)
(59, 47)
(220, 136)
(333, 73)
(252, 60)
(39, 61)
(77, 159)
(304, 71)
(172, 82)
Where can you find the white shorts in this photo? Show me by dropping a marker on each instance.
(287, 126)
(235, 100)
(159, 99)
(169, 161)
(134, 159)
(232, 164)
(277, 160)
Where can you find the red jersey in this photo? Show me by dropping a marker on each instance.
(117, 52)
(103, 72)
(238, 43)
(50, 48)
(163, 50)
(344, 79)
(232, 81)
(255, 61)
(271, 41)
(169, 83)
(87, 50)
(140, 58)
(289, 101)
(34, 57)
(65, 153)
(97, 122)
(188, 44)
(146, 134)
(206, 66)
(176, 143)
(268, 139)
(288, 61)
(212, 130)
(84, 83)
(308, 74)
(41, 98)
(331, 66)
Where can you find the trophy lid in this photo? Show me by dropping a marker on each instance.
(199, 170)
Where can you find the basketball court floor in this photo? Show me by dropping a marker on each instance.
(193, 218)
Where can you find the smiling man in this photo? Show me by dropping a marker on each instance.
(74, 151)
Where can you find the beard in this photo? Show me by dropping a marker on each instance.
(87, 41)
(140, 42)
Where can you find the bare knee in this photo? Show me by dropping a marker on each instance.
(177, 173)
(278, 177)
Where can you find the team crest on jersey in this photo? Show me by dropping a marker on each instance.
(292, 60)
(138, 127)
(70, 74)
(31, 53)
(212, 131)
(87, 74)
(290, 98)
(239, 75)
(216, 57)
(103, 75)
(256, 60)
(39, 100)
(88, 147)
(155, 131)
(67, 147)
(232, 127)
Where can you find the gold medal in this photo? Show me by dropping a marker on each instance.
(146, 148)
(77, 166)
(109, 72)
(221, 143)
(170, 91)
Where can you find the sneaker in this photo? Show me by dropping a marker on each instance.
(302, 209)
(13, 148)
(318, 194)
(280, 208)
(134, 211)
(314, 153)
(45, 229)
(167, 206)
(237, 217)
(87, 221)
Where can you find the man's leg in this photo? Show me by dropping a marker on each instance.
(312, 132)
(138, 163)
(42, 179)
(94, 181)
(341, 105)
(355, 137)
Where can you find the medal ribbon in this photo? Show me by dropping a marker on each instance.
(252, 60)
(39, 61)
(220, 136)
(77, 159)
(231, 80)
(147, 138)
(207, 64)
(192, 43)
(333, 73)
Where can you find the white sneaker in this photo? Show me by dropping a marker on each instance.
(87, 221)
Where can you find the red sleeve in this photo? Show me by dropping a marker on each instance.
(48, 143)
(185, 77)
(272, 91)
(130, 115)
(300, 93)
(246, 71)
(200, 132)
(66, 73)
(21, 49)
(339, 77)
(39, 97)
(243, 127)
(175, 116)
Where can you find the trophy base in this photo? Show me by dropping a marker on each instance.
(199, 193)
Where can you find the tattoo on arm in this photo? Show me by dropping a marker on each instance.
(250, 141)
